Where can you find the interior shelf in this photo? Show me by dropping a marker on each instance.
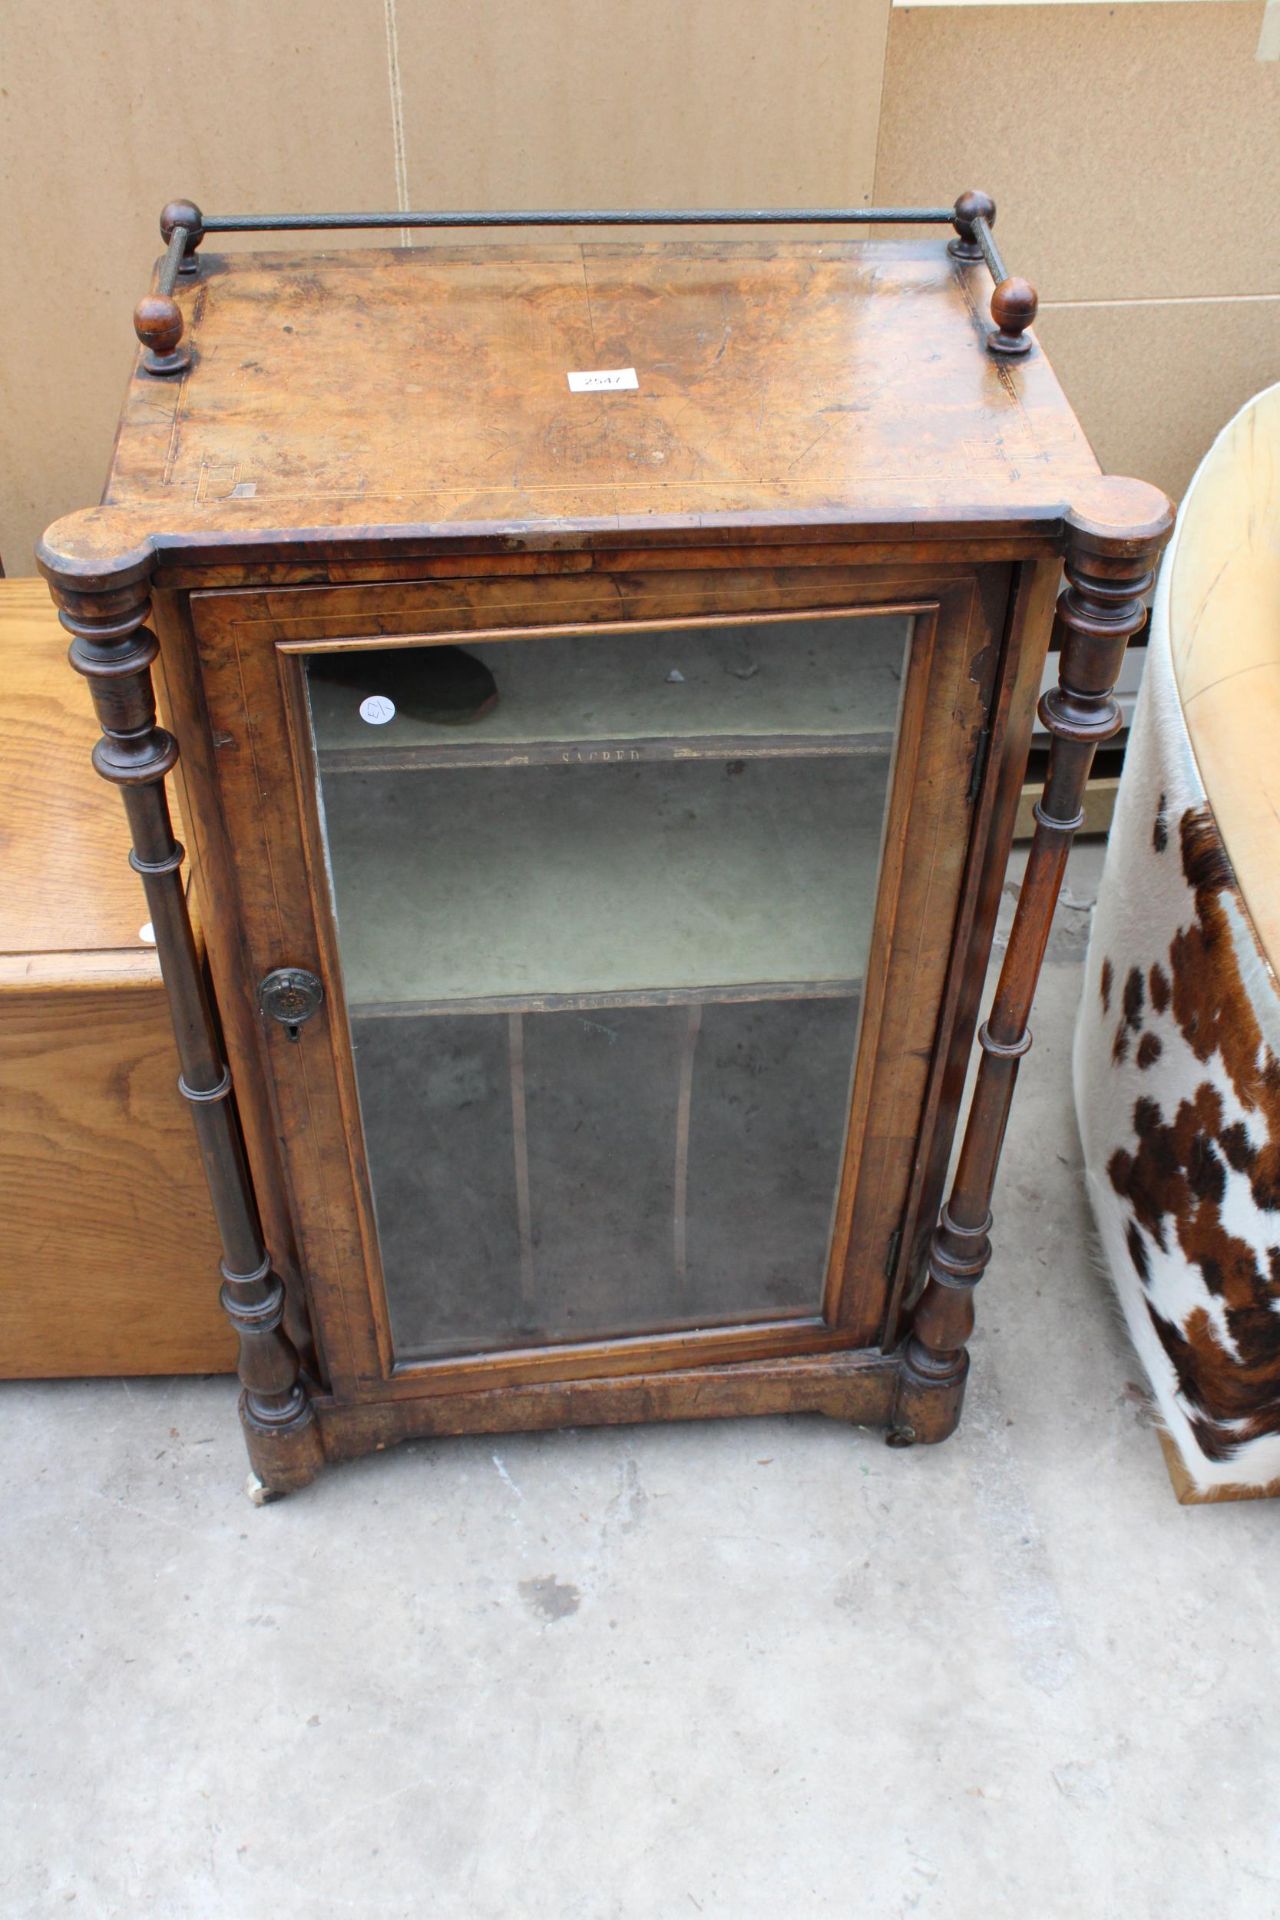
(553, 753)
(811, 685)
(740, 993)
(637, 883)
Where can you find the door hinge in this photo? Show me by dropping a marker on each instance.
(980, 752)
(891, 1257)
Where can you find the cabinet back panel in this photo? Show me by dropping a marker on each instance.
(560, 1177)
(817, 678)
(582, 880)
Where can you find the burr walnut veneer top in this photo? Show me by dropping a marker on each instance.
(795, 385)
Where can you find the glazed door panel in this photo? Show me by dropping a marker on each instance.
(633, 936)
(604, 904)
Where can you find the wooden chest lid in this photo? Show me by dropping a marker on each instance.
(354, 394)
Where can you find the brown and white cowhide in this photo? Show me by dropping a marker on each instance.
(1177, 1084)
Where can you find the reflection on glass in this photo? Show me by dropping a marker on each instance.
(603, 907)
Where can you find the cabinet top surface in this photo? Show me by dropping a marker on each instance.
(357, 394)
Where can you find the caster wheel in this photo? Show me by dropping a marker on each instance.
(261, 1495)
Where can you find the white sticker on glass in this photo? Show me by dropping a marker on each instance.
(608, 380)
(377, 709)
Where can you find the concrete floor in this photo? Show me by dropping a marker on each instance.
(753, 1669)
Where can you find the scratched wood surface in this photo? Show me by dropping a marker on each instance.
(804, 382)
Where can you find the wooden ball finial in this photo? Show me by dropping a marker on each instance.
(157, 321)
(183, 213)
(969, 207)
(1013, 308)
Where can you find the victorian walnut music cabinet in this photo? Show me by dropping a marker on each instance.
(600, 678)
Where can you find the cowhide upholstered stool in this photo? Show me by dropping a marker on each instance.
(1177, 1058)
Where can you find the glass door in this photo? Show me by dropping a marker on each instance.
(604, 904)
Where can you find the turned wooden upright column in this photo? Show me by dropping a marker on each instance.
(1112, 543)
(114, 650)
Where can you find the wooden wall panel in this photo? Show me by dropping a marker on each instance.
(110, 112)
(262, 105)
(1101, 132)
(1155, 382)
(641, 102)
